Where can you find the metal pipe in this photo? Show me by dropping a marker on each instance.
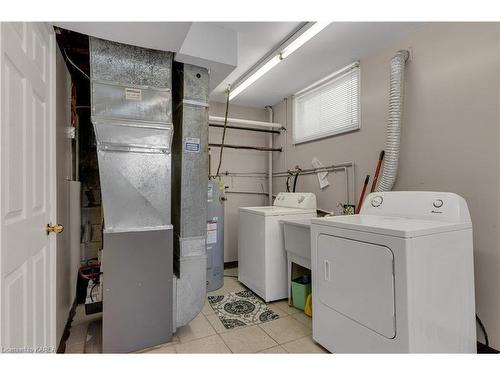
(242, 174)
(329, 168)
(332, 168)
(346, 171)
(245, 128)
(216, 119)
(353, 184)
(270, 113)
(257, 148)
(246, 192)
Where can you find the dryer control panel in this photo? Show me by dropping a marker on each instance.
(296, 200)
(425, 205)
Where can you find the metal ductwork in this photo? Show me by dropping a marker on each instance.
(189, 189)
(131, 104)
(142, 163)
(396, 92)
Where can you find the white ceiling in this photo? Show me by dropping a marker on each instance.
(204, 44)
(230, 49)
(255, 41)
(166, 36)
(336, 46)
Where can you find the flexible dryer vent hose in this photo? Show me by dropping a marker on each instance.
(394, 123)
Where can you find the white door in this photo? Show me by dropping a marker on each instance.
(356, 279)
(27, 187)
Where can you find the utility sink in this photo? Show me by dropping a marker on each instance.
(297, 239)
(297, 236)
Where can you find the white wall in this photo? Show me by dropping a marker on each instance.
(450, 137)
(236, 160)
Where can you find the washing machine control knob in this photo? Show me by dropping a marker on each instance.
(377, 201)
(438, 203)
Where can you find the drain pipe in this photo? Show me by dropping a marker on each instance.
(270, 114)
(394, 123)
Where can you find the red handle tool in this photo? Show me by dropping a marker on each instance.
(362, 196)
(377, 171)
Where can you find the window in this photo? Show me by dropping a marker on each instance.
(327, 107)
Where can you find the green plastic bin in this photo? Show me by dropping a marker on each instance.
(301, 288)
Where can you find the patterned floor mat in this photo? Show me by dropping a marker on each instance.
(238, 309)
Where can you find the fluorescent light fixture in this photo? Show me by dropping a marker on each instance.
(255, 76)
(303, 38)
(282, 54)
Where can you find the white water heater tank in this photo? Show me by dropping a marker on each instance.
(215, 235)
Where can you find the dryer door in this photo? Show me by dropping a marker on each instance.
(356, 279)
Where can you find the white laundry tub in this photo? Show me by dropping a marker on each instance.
(297, 241)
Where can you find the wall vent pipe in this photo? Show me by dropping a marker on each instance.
(394, 122)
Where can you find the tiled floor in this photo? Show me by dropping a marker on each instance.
(291, 333)
(80, 335)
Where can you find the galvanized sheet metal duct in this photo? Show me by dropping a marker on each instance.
(131, 110)
(132, 118)
(189, 190)
(391, 159)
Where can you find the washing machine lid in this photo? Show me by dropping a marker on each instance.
(277, 211)
(296, 200)
(390, 225)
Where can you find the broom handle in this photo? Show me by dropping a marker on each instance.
(377, 171)
(362, 196)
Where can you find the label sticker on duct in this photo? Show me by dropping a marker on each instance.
(211, 232)
(210, 193)
(192, 145)
(133, 94)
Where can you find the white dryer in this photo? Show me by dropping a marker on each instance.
(398, 277)
(262, 263)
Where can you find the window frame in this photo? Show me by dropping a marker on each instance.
(316, 86)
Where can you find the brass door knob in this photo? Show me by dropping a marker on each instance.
(54, 228)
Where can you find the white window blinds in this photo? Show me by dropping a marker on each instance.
(327, 107)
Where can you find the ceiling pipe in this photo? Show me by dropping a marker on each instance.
(245, 128)
(220, 120)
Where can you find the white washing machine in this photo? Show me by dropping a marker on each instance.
(262, 263)
(398, 277)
